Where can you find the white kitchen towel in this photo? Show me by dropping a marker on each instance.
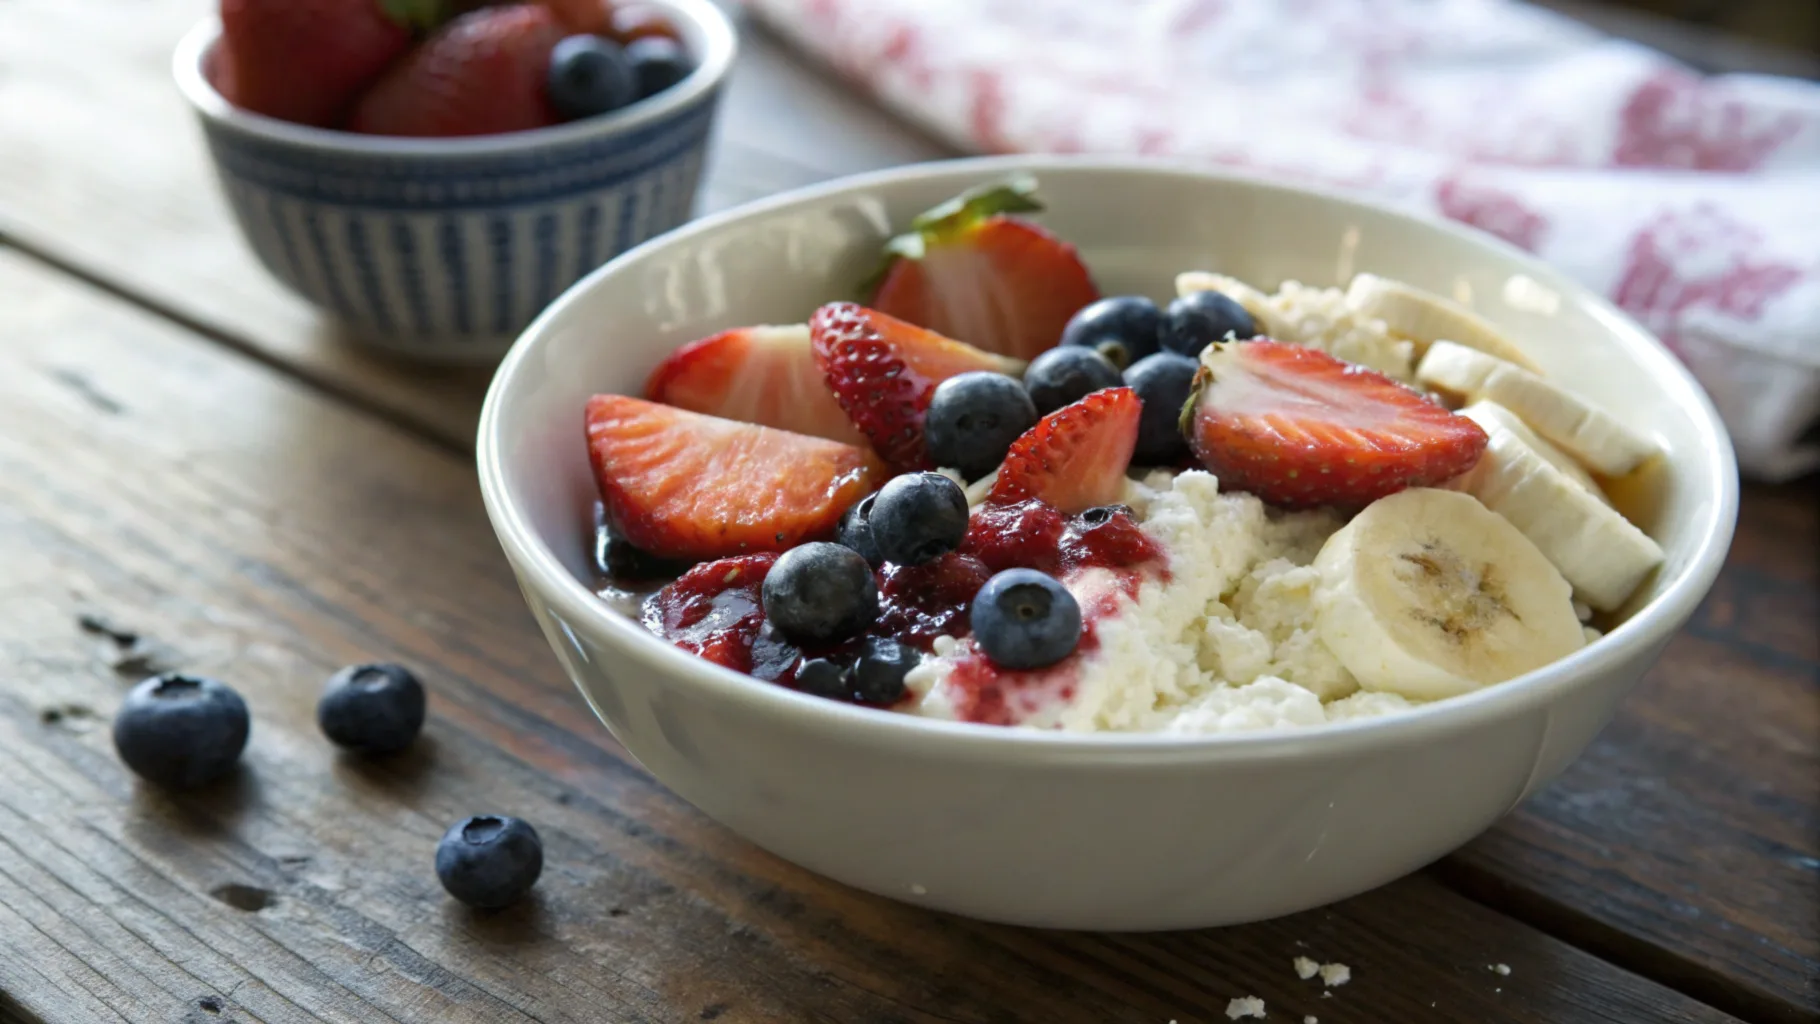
(1692, 202)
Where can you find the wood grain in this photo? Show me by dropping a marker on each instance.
(1686, 843)
(1683, 845)
(105, 173)
(164, 496)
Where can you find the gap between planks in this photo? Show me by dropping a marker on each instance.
(1614, 945)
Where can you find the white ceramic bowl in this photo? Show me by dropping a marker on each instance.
(444, 249)
(1069, 831)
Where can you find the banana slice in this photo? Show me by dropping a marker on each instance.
(1487, 413)
(1425, 318)
(1586, 432)
(1429, 594)
(1595, 548)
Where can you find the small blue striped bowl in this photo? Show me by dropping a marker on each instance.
(444, 249)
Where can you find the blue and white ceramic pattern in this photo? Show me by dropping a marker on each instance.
(445, 249)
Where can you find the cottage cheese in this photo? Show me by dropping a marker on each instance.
(1245, 1006)
(1224, 642)
(1315, 317)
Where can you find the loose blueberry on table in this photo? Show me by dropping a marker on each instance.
(489, 861)
(181, 731)
(431, 68)
(372, 709)
(793, 466)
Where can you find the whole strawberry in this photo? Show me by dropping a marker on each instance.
(307, 61)
(482, 74)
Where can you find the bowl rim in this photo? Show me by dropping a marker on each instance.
(1650, 626)
(707, 26)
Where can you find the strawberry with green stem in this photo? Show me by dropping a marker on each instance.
(973, 270)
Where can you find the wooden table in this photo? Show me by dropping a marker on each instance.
(194, 472)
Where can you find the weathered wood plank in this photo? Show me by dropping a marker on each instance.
(241, 525)
(1686, 843)
(104, 172)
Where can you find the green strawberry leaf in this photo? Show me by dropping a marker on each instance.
(1016, 194)
(421, 15)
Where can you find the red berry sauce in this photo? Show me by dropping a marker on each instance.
(1034, 535)
(715, 609)
(918, 603)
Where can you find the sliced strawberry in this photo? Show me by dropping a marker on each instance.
(969, 270)
(1298, 428)
(679, 484)
(1075, 457)
(763, 375)
(883, 370)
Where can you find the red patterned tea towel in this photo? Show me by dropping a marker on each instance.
(1692, 202)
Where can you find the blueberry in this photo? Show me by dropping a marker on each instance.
(590, 75)
(1063, 376)
(772, 654)
(972, 420)
(820, 677)
(820, 592)
(1025, 619)
(878, 675)
(1199, 319)
(1163, 381)
(855, 531)
(658, 62)
(1123, 328)
(181, 731)
(918, 517)
(372, 709)
(489, 861)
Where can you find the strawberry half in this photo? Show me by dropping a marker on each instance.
(883, 371)
(969, 270)
(485, 73)
(1299, 428)
(1075, 457)
(762, 375)
(679, 484)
